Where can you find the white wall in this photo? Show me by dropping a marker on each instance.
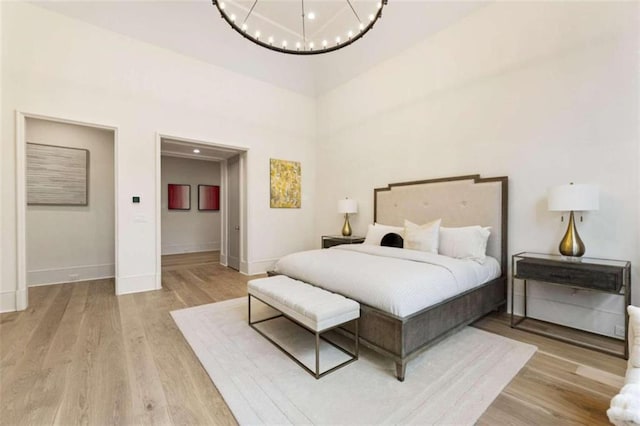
(543, 92)
(187, 231)
(7, 298)
(71, 243)
(60, 67)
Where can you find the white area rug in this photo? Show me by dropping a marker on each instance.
(451, 383)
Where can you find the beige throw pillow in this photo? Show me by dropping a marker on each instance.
(422, 237)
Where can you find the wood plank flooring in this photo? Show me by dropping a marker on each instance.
(561, 383)
(81, 355)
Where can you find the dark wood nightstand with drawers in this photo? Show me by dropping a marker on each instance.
(334, 240)
(585, 273)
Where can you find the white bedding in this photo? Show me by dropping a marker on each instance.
(397, 281)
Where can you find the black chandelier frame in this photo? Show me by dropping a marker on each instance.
(313, 51)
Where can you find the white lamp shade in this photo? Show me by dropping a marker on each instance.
(347, 206)
(580, 197)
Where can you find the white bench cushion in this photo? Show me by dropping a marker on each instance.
(311, 306)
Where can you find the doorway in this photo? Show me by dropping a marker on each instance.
(66, 231)
(204, 160)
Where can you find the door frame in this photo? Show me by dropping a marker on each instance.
(22, 293)
(242, 151)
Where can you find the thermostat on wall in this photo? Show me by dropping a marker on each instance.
(136, 199)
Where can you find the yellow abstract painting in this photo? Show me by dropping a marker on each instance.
(286, 184)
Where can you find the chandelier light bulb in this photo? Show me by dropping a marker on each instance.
(284, 43)
(379, 5)
(257, 34)
(324, 43)
(270, 40)
(245, 27)
(311, 45)
(361, 26)
(338, 39)
(298, 45)
(371, 17)
(232, 17)
(311, 16)
(222, 6)
(350, 34)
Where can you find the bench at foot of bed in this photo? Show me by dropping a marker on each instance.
(312, 308)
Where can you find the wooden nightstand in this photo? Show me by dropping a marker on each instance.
(334, 240)
(585, 273)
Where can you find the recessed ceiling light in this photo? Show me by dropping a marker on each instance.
(196, 151)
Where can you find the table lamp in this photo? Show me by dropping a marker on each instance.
(347, 207)
(572, 198)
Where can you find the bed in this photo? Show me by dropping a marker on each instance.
(427, 308)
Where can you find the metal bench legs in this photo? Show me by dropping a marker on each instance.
(318, 335)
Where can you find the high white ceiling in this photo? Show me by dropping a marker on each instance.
(195, 28)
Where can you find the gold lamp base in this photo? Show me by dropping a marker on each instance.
(571, 244)
(346, 229)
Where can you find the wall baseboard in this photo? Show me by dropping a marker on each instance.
(8, 302)
(136, 284)
(70, 274)
(259, 267)
(190, 248)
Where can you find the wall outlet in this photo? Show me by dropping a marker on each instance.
(74, 277)
(618, 330)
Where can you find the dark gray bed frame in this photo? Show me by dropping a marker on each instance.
(401, 339)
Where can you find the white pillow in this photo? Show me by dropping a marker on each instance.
(467, 242)
(377, 231)
(422, 237)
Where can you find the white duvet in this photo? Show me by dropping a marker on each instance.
(397, 281)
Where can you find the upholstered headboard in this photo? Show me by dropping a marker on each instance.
(459, 201)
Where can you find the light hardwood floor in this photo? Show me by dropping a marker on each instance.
(80, 354)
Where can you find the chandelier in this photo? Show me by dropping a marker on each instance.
(301, 27)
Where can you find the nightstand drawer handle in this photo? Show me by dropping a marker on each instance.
(561, 276)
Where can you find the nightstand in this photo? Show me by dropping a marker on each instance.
(584, 273)
(334, 240)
